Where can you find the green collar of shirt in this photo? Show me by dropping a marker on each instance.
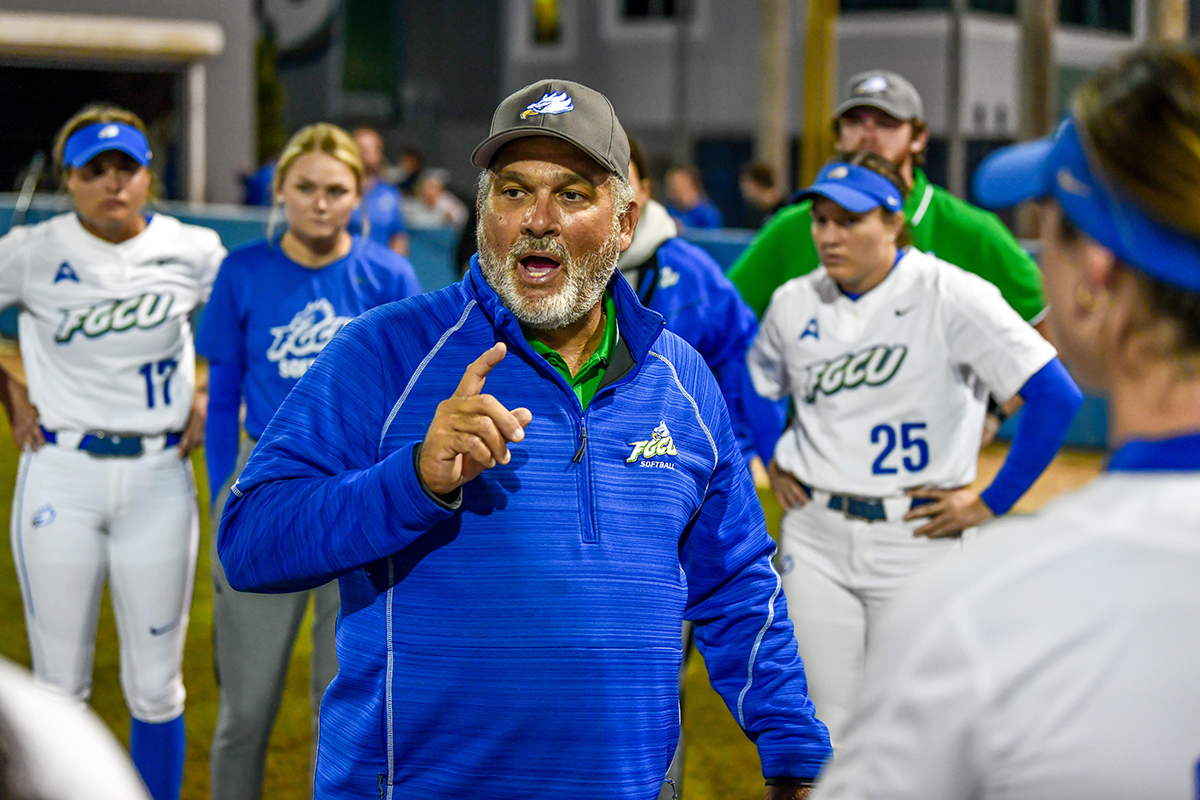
(587, 380)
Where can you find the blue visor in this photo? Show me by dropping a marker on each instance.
(856, 189)
(87, 143)
(1058, 167)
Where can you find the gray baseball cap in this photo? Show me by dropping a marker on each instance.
(565, 110)
(884, 90)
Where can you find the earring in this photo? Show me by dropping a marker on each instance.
(1084, 298)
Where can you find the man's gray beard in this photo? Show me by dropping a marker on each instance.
(585, 278)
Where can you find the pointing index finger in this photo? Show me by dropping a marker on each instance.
(472, 380)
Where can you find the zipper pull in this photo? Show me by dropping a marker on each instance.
(582, 445)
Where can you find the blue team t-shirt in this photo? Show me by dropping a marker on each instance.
(381, 204)
(271, 317)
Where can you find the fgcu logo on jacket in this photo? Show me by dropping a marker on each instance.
(871, 366)
(557, 103)
(659, 444)
(297, 343)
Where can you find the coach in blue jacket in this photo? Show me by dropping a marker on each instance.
(515, 565)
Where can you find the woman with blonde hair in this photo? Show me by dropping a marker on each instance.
(275, 306)
(1059, 658)
(105, 491)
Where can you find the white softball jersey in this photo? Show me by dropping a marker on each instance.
(105, 332)
(1058, 657)
(890, 390)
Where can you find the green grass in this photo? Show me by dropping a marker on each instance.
(721, 762)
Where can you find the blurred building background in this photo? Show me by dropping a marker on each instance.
(712, 82)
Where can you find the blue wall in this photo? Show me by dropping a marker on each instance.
(432, 254)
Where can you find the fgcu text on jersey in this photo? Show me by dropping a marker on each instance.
(871, 366)
(145, 311)
(296, 344)
(659, 444)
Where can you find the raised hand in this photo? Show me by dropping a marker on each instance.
(470, 431)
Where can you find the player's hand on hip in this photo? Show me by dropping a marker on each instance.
(193, 432)
(470, 431)
(27, 429)
(788, 490)
(951, 512)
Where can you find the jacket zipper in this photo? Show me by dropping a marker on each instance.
(587, 514)
(578, 459)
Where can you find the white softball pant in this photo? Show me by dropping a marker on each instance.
(839, 575)
(79, 521)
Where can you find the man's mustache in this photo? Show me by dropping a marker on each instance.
(531, 244)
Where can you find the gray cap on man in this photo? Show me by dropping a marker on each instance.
(565, 110)
(884, 90)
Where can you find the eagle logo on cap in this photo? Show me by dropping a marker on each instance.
(876, 83)
(108, 132)
(837, 173)
(557, 103)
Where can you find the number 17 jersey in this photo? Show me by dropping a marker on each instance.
(890, 389)
(105, 333)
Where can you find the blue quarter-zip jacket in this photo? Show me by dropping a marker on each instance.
(526, 643)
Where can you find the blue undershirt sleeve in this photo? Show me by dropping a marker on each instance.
(1051, 401)
(221, 429)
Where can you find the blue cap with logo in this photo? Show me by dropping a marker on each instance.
(1059, 167)
(854, 188)
(88, 142)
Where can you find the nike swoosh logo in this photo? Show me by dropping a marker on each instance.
(164, 629)
(900, 312)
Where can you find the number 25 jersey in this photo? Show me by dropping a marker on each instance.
(890, 390)
(105, 331)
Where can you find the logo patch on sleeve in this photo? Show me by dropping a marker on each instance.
(652, 452)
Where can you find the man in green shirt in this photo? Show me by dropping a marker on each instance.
(882, 112)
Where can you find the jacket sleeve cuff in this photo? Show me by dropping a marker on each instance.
(802, 782)
(413, 506)
(450, 501)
